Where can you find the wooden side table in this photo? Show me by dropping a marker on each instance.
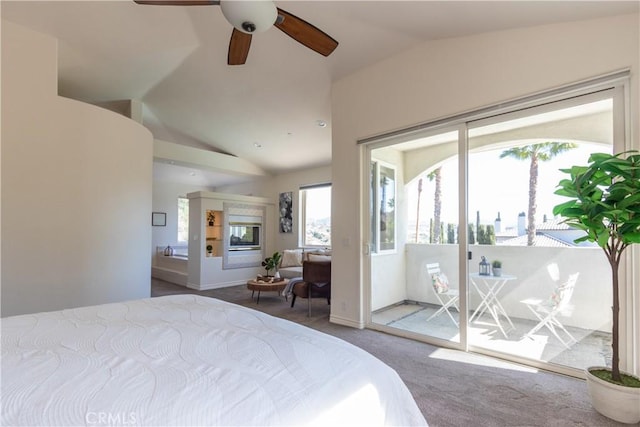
(254, 285)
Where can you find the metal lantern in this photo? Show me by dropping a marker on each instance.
(484, 268)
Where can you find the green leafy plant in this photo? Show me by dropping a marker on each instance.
(272, 262)
(605, 204)
(209, 248)
(496, 263)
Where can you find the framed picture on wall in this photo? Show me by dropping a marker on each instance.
(286, 212)
(158, 219)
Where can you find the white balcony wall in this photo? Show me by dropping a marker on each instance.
(388, 280)
(591, 301)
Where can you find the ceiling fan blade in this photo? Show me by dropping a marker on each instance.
(305, 33)
(238, 47)
(178, 2)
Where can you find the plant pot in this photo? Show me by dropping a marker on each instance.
(497, 272)
(614, 401)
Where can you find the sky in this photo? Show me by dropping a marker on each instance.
(319, 205)
(497, 185)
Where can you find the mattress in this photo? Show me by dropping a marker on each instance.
(190, 360)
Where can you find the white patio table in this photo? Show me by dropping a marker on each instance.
(488, 287)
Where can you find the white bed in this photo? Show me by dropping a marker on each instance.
(190, 360)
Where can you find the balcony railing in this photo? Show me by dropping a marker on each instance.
(537, 269)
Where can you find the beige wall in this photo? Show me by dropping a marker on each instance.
(446, 77)
(76, 190)
(292, 182)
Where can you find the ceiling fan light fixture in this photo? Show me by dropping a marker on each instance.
(250, 16)
(255, 16)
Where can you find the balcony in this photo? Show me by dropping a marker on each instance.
(405, 300)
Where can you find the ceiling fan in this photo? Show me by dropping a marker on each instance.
(248, 17)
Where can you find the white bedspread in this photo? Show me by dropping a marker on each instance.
(190, 360)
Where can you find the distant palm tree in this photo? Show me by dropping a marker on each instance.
(535, 153)
(437, 204)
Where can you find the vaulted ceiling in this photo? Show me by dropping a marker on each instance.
(173, 59)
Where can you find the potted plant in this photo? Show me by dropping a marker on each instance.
(606, 206)
(209, 250)
(211, 218)
(496, 267)
(272, 262)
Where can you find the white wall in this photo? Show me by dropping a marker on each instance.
(257, 187)
(533, 268)
(388, 269)
(76, 190)
(165, 199)
(208, 272)
(445, 77)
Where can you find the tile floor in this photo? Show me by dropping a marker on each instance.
(592, 347)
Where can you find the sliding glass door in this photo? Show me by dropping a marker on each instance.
(533, 292)
(465, 250)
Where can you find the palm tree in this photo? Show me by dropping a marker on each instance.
(535, 153)
(437, 203)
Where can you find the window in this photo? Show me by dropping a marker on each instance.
(183, 219)
(383, 209)
(315, 215)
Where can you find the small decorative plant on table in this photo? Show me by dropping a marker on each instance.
(496, 267)
(272, 263)
(606, 206)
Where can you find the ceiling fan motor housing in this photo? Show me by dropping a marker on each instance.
(249, 27)
(250, 16)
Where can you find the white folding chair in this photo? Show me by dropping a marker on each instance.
(447, 296)
(546, 311)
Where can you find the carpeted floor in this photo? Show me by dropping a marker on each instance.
(451, 388)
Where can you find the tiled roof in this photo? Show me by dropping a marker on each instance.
(553, 224)
(540, 240)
